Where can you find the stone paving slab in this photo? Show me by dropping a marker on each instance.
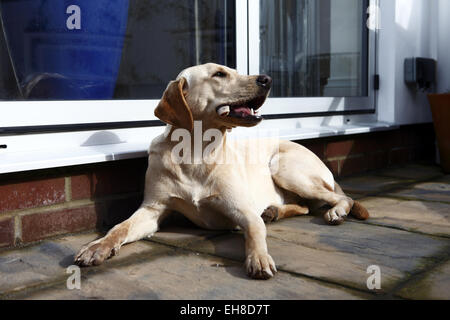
(413, 171)
(437, 190)
(47, 261)
(369, 184)
(418, 216)
(186, 275)
(435, 285)
(376, 244)
(341, 254)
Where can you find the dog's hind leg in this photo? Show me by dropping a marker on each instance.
(314, 190)
(298, 170)
(143, 223)
(358, 211)
(275, 213)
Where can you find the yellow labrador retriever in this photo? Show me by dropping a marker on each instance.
(288, 180)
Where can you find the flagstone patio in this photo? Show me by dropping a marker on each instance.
(407, 237)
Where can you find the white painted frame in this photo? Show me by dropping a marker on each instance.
(305, 105)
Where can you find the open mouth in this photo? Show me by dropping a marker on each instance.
(245, 110)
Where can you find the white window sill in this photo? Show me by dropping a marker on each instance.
(60, 156)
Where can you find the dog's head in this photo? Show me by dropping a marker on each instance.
(216, 95)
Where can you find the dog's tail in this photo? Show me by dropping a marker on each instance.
(359, 212)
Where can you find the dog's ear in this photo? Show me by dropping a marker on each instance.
(173, 108)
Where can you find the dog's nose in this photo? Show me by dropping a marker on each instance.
(264, 81)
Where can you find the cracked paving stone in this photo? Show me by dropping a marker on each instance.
(338, 254)
(185, 275)
(48, 260)
(435, 285)
(419, 216)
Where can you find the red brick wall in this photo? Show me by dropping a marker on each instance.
(348, 155)
(39, 204)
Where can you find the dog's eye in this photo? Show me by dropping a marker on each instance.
(220, 74)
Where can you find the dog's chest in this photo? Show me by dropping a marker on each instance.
(197, 184)
(197, 201)
(197, 193)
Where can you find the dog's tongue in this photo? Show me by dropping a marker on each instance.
(243, 110)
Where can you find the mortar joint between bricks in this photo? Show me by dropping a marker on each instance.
(17, 230)
(68, 188)
(349, 156)
(50, 208)
(69, 204)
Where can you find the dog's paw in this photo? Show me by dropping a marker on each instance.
(270, 214)
(95, 253)
(335, 216)
(260, 266)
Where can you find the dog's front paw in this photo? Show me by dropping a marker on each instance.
(260, 266)
(335, 216)
(95, 253)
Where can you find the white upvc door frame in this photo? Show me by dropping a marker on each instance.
(296, 106)
(242, 41)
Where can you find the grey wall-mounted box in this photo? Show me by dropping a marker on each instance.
(420, 72)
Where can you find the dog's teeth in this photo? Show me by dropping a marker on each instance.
(252, 111)
(223, 111)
